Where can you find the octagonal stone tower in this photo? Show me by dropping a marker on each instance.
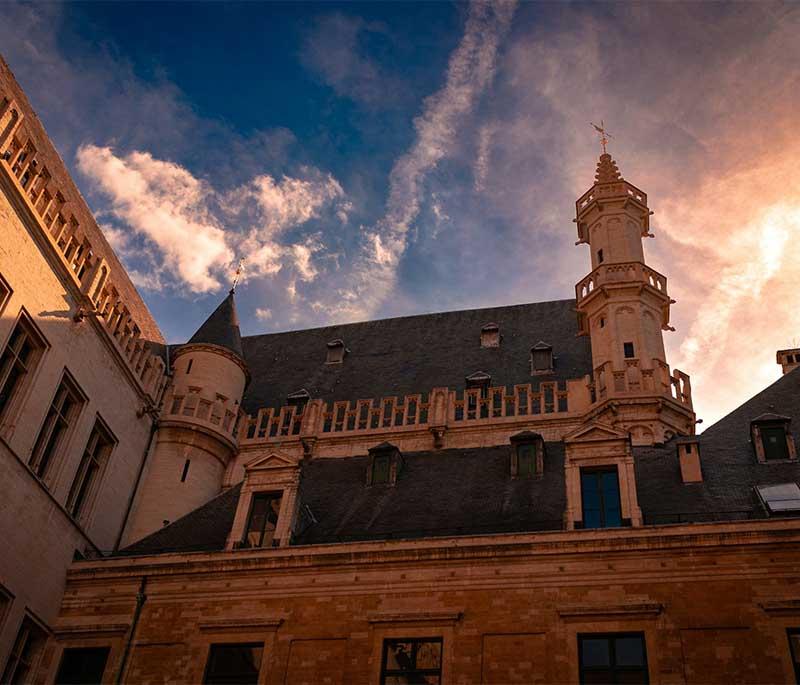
(624, 306)
(197, 430)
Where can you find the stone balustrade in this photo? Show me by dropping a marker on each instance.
(90, 273)
(621, 273)
(205, 409)
(441, 408)
(616, 189)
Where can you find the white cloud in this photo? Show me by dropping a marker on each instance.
(263, 314)
(470, 70)
(165, 203)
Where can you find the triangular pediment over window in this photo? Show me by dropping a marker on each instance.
(593, 432)
(273, 460)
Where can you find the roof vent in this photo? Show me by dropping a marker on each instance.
(490, 335)
(385, 462)
(689, 459)
(336, 352)
(789, 359)
(541, 359)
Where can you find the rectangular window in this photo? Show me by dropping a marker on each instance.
(599, 256)
(62, 414)
(526, 459)
(629, 351)
(5, 293)
(774, 440)
(600, 498)
(82, 666)
(612, 658)
(234, 664)
(380, 469)
(18, 361)
(263, 520)
(415, 660)
(94, 460)
(794, 649)
(24, 653)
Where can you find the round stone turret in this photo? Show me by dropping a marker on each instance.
(197, 430)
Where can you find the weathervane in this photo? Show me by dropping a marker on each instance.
(604, 135)
(237, 275)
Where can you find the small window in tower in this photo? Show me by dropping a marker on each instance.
(602, 322)
(600, 256)
(185, 470)
(629, 351)
(541, 359)
(189, 366)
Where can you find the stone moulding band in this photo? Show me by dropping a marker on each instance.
(241, 624)
(609, 612)
(781, 606)
(76, 630)
(416, 617)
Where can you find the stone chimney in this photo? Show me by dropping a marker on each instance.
(689, 458)
(789, 359)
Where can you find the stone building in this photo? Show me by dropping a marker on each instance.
(504, 495)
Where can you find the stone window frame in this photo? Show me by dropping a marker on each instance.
(612, 636)
(5, 293)
(525, 438)
(396, 463)
(6, 603)
(431, 639)
(269, 495)
(412, 626)
(276, 473)
(86, 510)
(756, 438)
(43, 633)
(10, 413)
(62, 450)
(233, 630)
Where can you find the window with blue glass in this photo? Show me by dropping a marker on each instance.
(600, 498)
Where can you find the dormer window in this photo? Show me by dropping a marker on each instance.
(385, 463)
(527, 455)
(336, 352)
(541, 359)
(298, 399)
(772, 439)
(263, 520)
(479, 380)
(490, 335)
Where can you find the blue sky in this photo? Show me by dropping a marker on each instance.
(381, 159)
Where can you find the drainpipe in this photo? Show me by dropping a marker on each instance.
(153, 429)
(140, 600)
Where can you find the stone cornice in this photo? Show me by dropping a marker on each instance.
(68, 631)
(611, 612)
(697, 536)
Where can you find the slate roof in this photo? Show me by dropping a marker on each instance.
(221, 328)
(413, 354)
(729, 465)
(203, 530)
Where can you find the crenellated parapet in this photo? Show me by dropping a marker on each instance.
(33, 174)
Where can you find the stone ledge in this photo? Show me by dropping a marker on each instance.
(76, 630)
(241, 624)
(781, 606)
(610, 611)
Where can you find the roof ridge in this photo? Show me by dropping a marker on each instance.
(408, 316)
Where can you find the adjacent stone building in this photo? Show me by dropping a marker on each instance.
(504, 495)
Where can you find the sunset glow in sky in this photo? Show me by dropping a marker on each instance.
(381, 159)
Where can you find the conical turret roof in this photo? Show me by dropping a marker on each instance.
(221, 328)
(607, 170)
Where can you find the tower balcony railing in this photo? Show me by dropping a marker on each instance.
(441, 408)
(634, 379)
(620, 274)
(619, 188)
(204, 409)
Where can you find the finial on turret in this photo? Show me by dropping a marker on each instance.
(237, 275)
(604, 135)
